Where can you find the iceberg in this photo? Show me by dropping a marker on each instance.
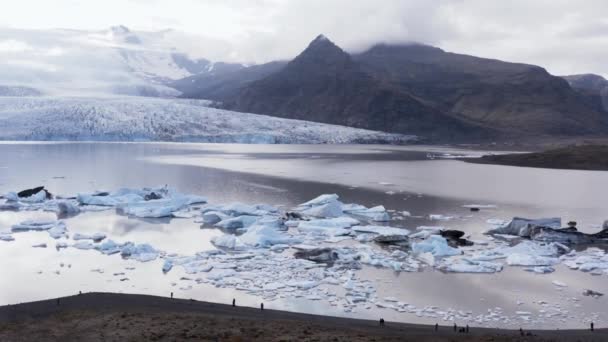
(141, 252)
(108, 247)
(97, 237)
(56, 229)
(232, 223)
(333, 226)
(436, 245)
(518, 259)
(6, 237)
(67, 208)
(266, 236)
(523, 226)
(377, 213)
(381, 230)
(471, 266)
(228, 241)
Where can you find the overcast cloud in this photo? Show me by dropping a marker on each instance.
(564, 36)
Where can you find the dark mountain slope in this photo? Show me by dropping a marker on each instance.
(510, 97)
(223, 83)
(324, 84)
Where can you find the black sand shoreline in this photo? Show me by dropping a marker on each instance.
(133, 317)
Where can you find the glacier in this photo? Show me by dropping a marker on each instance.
(131, 118)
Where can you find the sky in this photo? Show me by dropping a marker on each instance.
(564, 36)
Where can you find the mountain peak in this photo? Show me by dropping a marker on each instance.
(322, 51)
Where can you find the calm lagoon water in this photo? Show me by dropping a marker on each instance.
(400, 178)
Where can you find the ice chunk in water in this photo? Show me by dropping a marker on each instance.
(470, 266)
(243, 221)
(381, 230)
(213, 217)
(436, 245)
(332, 226)
(83, 245)
(331, 209)
(67, 208)
(518, 259)
(377, 213)
(266, 236)
(108, 247)
(6, 237)
(523, 226)
(56, 229)
(95, 237)
(322, 199)
(228, 241)
(141, 252)
(167, 266)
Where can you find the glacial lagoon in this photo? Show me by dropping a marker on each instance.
(419, 186)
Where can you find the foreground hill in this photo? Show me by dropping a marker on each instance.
(150, 119)
(584, 157)
(128, 317)
(411, 88)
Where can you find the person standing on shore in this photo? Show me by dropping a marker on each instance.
(455, 327)
(233, 301)
(591, 326)
(436, 326)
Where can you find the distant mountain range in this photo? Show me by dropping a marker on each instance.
(413, 89)
(408, 89)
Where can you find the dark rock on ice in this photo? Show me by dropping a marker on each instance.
(322, 255)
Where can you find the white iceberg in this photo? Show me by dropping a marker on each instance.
(6, 237)
(377, 213)
(436, 245)
(523, 226)
(141, 252)
(56, 229)
(228, 241)
(95, 237)
(243, 221)
(381, 230)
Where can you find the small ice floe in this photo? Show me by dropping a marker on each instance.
(540, 269)
(233, 223)
(4, 236)
(436, 245)
(480, 206)
(144, 203)
(56, 229)
(523, 227)
(167, 265)
(228, 241)
(381, 230)
(466, 265)
(559, 283)
(440, 217)
(67, 208)
(337, 226)
(377, 213)
(61, 245)
(84, 245)
(386, 183)
(328, 205)
(39, 245)
(96, 237)
(139, 252)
